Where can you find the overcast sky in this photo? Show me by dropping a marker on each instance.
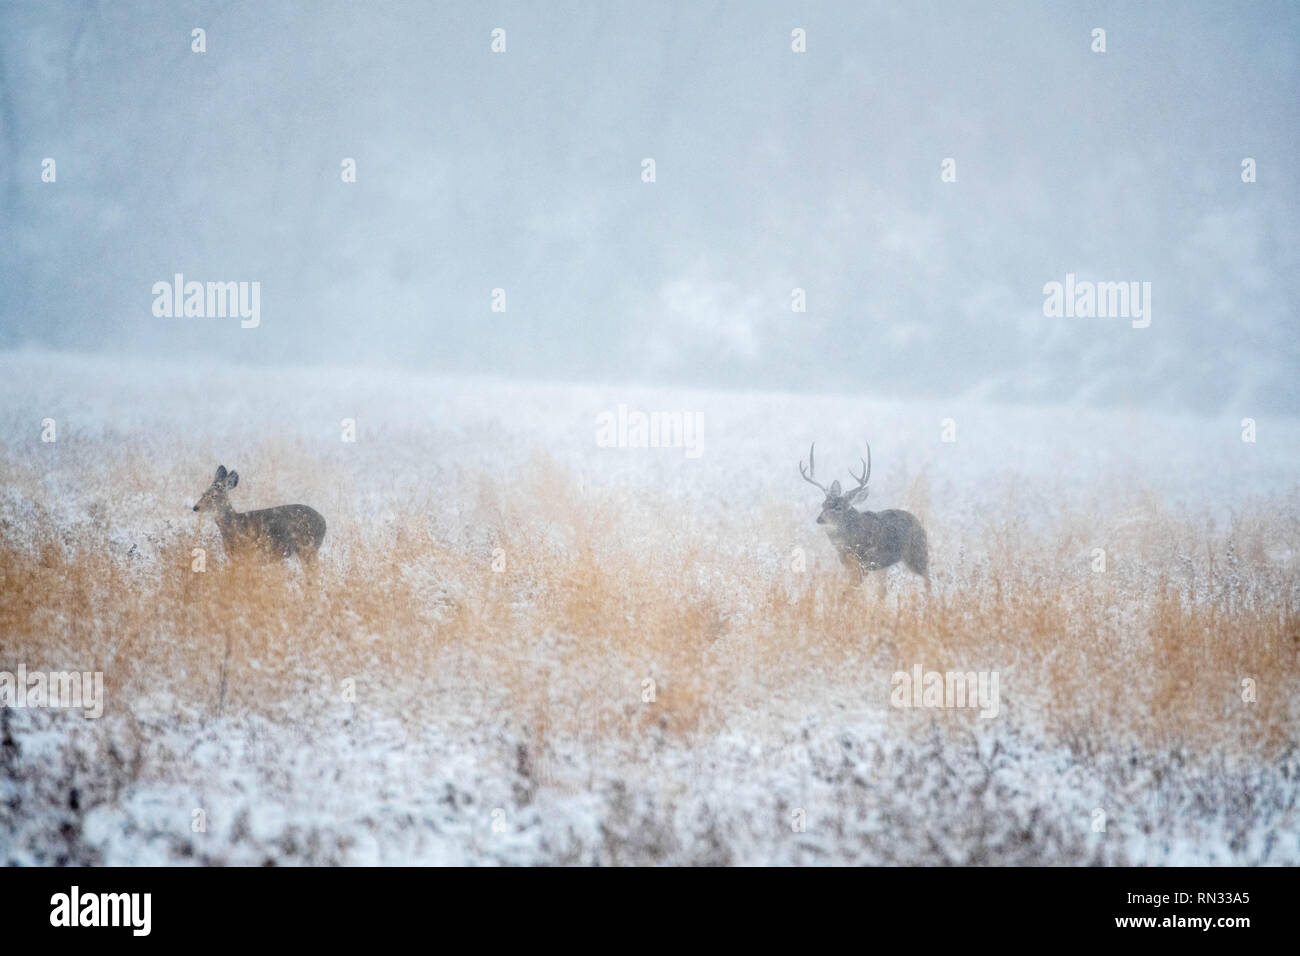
(774, 170)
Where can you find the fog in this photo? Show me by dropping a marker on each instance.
(774, 170)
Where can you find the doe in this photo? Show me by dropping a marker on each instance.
(271, 532)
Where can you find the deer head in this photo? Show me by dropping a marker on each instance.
(837, 505)
(214, 499)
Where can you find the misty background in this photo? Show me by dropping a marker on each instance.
(775, 170)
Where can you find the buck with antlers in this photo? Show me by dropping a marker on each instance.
(868, 540)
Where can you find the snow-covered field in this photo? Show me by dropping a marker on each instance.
(523, 647)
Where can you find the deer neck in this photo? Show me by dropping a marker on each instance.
(227, 519)
(838, 528)
(853, 521)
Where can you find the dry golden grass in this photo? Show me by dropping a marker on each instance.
(595, 598)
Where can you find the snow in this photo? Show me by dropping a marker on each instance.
(439, 768)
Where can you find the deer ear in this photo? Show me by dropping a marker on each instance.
(232, 479)
(835, 489)
(221, 472)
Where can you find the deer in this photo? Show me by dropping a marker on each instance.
(868, 540)
(275, 533)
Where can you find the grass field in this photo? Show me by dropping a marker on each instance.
(521, 647)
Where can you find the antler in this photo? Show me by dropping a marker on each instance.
(866, 473)
(812, 465)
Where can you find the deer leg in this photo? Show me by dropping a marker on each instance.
(310, 569)
(856, 576)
